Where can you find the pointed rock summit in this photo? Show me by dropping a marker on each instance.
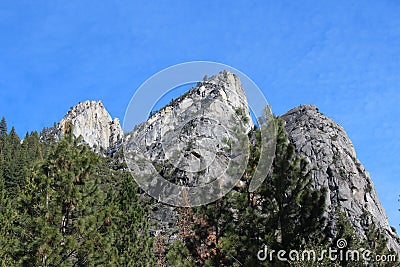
(332, 156)
(197, 122)
(91, 120)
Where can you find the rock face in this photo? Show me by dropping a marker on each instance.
(331, 153)
(93, 122)
(199, 124)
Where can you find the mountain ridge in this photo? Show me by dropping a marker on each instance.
(318, 138)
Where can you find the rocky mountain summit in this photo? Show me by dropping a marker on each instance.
(199, 123)
(331, 155)
(92, 122)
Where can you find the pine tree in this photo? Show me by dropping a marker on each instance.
(294, 209)
(76, 209)
(284, 213)
(345, 231)
(3, 128)
(377, 243)
(68, 218)
(8, 215)
(14, 168)
(3, 137)
(13, 171)
(133, 242)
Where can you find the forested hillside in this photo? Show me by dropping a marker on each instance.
(63, 205)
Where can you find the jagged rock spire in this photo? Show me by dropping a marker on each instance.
(91, 120)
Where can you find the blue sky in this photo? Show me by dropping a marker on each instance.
(342, 56)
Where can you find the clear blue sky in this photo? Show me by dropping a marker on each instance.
(343, 56)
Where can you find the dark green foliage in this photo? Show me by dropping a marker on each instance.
(242, 115)
(68, 215)
(345, 231)
(285, 213)
(376, 242)
(178, 255)
(8, 242)
(13, 159)
(63, 205)
(295, 209)
(3, 127)
(12, 165)
(132, 239)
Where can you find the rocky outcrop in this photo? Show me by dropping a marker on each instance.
(93, 123)
(198, 123)
(331, 154)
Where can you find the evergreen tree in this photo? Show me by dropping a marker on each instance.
(293, 208)
(178, 255)
(14, 168)
(213, 224)
(32, 147)
(8, 242)
(285, 213)
(3, 137)
(377, 243)
(68, 218)
(67, 206)
(133, 242)
(3, 128)
(345, 231)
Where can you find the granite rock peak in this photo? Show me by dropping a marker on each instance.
(330, 152)
(91, 120)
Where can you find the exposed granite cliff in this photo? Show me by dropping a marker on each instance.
(332, 156)
(198, 124)
(92, 122)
